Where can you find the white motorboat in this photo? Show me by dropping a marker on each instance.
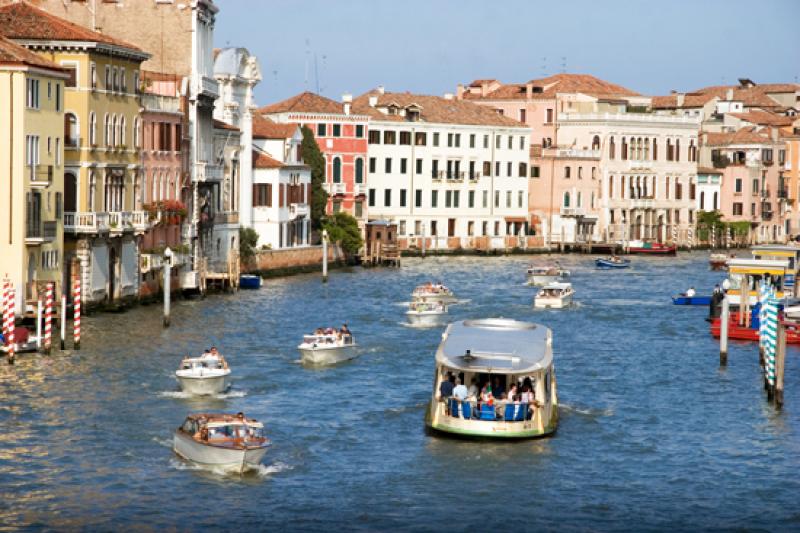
(207, 374)
(327, 346)
(227, 441)
(425, 313)
(555, 295)
(542, 275)
(433, 292)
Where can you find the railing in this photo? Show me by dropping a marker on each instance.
(72, 143)
(41, 175)
(578, 154)
(626, 117)
(85, 222)
(138, 220)
(360, 189)
(498, 411)
(573, 211)
(474, 176)
(338, 188)
(159, 103)
(765, 193)
(639, 163)
(436, 175)
(298, 210)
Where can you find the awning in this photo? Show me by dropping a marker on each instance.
(516, 219)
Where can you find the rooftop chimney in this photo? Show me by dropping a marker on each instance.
(679, 97)
(373, 100)
(729, 95)
(448, 96)
(459, 91)
(381, 89)
(484, 88)
(528, 91)
(347, 100)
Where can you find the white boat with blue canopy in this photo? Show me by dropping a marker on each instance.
(508, 365)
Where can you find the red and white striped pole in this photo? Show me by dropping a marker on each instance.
(10, 324)
(48, 318)
(76, 318)
(6, 288)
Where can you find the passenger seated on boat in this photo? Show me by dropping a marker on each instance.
(691, 292)
(498, 389)
(512, 394)
(473, 388)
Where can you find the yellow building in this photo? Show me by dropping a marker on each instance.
(102, 139)
(32, 171)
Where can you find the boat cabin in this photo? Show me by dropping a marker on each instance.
(507, 369)
(777, 252)
(224, 430)
(554, 289)
(745, 275)
(196, 363)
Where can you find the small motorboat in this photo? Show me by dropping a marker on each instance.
(425, 313)
(24, 342)
(651, 248)
(327, 346)
(612, 262)
(718, 261)
(542, 275)
(682, 299)
(554, 295)
(207, 374)
(249, 281)
(227, 441)
(433, 292)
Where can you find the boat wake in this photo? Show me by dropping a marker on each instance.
(260, 470)
(419, 326)
(591, 412)
(167, 443)
(263, 470)
(187, 396)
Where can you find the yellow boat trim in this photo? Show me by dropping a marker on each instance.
(757, 270)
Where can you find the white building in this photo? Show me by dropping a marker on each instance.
(281, 189)
(238, 72)
(446, 169)
(709, 189)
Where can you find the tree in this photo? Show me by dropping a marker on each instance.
(707, 222)
(343, 228)
(248, 239)
(314, 159)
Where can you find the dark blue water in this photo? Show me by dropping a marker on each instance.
(653, 434)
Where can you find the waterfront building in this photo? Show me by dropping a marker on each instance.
(601, 166)
(709, 188)
(218, 204)
(447, 170)
(281, 190)
(32, 159)
(238, 72)
(790, 166)
(102, 139)
(342, 138)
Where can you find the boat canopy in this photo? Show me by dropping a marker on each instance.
(757, 266)
(777, 251)
(495, 345)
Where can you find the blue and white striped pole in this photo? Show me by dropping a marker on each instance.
(770, 344)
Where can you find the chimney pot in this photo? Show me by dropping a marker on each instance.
(459, 91)
(729, 94)
(373, 100)
(528, 91)
(381, 90)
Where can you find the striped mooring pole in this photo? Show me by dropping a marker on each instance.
(76, 316)
(675, 234)
(762, 320)
(771, 334)
(3, 311)
(690, 237)
(10, 320)
(48, 318)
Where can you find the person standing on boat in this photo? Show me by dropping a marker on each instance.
(447, 386)
(726, 284)
(460, 391)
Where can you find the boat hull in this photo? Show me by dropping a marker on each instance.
(553, 303)
(424, 319)
(602, 263)
(458, 427)
(327, 356)
(204, 385)
(249, 282)
(234, 459)
(656, 250)
(539, 280)
(691, 300)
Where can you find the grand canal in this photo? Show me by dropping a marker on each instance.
(653, 434)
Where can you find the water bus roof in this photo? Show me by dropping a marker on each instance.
(757, 266)
(495, 345)
(776, 248)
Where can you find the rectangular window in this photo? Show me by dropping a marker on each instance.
(497, 168)
(755, 186)
(508, 198)
(497, 198)
(359, 131)
(737, 208)
(519, 199)
(372, 164)
(93, 75)
(738, 185)
(262, 195)
(337, 206)
(509, 166)
(471, 199)
(458, 140)
(549, 116)
(403, 165)
(32, 100)
(387, 197)
(485, 199)
(374, 137)
(434, 198)
(387, 165)
(403, 197)
(420, 138)
(448, 198)
(372, 197)
(401, 229)
(472, 140)
(487, 168)
(510, 142)
(456, 197)
(58, 96)
(405, 137)
(523, 116)
(123, 80)
(389, 137)
(320, 130)
(419, 166)
(436, 139)
(449, 139)
(522, 143)
(418, 198)
(337, 130)
(486, 141)
(358, 212)
(107, 84)
(72, 73)
(753, 208)
(535, 171)
(497, 142)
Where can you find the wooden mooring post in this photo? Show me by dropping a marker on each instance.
(780, 364)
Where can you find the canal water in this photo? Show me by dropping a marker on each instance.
(653, 434)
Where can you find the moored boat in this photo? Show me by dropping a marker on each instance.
(651, 248)
(433, 292)
(228, 441)
(327, 346)
(249, 281)
(542, 275)
(554, 295)
(425, 313)
(494, 355)
(717, 261)
(612, 262)
(207, 374)
(682, 299)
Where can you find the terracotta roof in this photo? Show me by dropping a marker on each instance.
(689, 100)
(765, 118)
(23, 21)
(749, 135)
(558, 83)
(434, 109)
(12, 53)
(307, 102)
(262, 160)
(218, 124)
(779, 87)
(264, 128)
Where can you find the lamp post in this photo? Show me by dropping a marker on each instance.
(167, 273)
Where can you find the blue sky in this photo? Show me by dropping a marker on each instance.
(430, 46)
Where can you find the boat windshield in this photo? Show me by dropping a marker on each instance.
(197, 363)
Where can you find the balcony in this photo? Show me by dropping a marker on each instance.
(766, 215)
(90, 223)
(138, 220)
(474, 176)
(40, 176)
(572, 211)
(72, 143)
(208, 87)
(207, 172)
(437, 175)
(453, 176)
(639, 164)
(298, 211)
(360, 189)
(161, 104)
(572, 153)
(38, 232)
(338, 188)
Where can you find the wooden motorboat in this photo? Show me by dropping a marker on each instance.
(718, 261)
(652, 248)
(207, 374)
(425, 313)
(433, 292)
(612, 262)
(228, 441)
(327, 346)
(554, 295)
(542, 275)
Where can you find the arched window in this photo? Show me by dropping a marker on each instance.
(114, 130)
(624, 149)
(655, 149)
(137, 134)
(639, 149)
(92, 190)
(677, 149)
(596, 142)
(611, 148)
(647, 149)
(71, 131)
(667, 188)
(692, 151)
(566, 199)
(93, 129)
(359, 170)
(578, 200)
(107, 129)
(337, 170)
(622, 187)
(122, 130)
(144, 187)
(154, 188)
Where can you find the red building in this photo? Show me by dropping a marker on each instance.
(342, 138)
